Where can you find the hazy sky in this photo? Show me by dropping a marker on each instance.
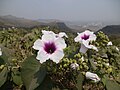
(71, 10)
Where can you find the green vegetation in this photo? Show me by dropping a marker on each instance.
(20, 70)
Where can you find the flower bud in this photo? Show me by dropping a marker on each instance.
(74, 65)
(1, 67)
(109, 43)
(92, 76)
(0, 52)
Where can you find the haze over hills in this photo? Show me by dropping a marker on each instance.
(49, 20)
(76, 26)
(10, 20)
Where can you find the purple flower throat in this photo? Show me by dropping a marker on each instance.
(50, 47)
(85, 37)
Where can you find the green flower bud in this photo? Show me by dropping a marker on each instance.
(65, 65)
(1, 67)
(109, 70)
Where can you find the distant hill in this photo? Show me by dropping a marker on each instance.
(111, 30)
(61, 26)
(10, 20)
(48, 20)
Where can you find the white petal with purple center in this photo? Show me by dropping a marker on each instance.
(50, 46)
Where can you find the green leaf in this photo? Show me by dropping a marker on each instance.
(47, 84)
(92, 64)
(3, 76)
(33, 73)
(112, 85)
(6, 55)
(16, 76)
(80, 80)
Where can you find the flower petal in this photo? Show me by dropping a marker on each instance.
(42, 56)
(78, 39)
(86, 44)
(83, 49)
(60, 43)
(91, 34)
(62, 34)
(48, 37)
(57, 56)
(92, 76)
(47, 32)
(109, 43)
(38, 44)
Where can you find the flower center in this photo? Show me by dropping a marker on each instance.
(50, 47)
(85, 37)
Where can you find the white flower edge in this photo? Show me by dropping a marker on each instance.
(109, 43)
(85, 46)
(92, 76)
(61, 34)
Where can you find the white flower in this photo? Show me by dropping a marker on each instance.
(74, 65)
(117, 48)
(61, 34)
(13, 27)
(92, 76)
(85, 38)
(95, 63)
(0, 52)
(109, 43)
(50, 47)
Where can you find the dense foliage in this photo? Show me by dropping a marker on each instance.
(19, 68)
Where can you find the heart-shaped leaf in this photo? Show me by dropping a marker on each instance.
(33, 73)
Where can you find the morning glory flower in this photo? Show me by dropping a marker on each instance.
(0, 52)
(49, 47)
(61, 34)
(92, 76)
(109, 43)
(74, 66)
(85, 38)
